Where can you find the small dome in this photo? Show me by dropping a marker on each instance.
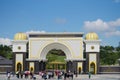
(20, 36)
(91, 36)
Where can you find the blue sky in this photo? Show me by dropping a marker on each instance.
(100, 16)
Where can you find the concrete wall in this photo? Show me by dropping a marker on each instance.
(109, 69)
(5, 68)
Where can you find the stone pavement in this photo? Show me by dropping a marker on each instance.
(79, 77)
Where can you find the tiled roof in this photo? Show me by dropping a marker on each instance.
(4, 61)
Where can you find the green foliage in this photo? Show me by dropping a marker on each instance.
(51, 57)
(6, 51)
(109, 55)
(56, 55)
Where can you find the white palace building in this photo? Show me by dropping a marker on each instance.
(82, 54)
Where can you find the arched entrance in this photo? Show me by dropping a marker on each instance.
(92, 68)
(56, 60)
(57, 46)
(60, 46)
(79, 70)
(31, 69)
(19, 67)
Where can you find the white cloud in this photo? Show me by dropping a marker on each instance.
(114, 23)
(112, 33)
(5, 41)
(33, 31)
(97, 25)
(116, 1)
(109, 28)
(60, 21)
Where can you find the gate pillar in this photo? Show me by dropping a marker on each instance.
(42, 65)
(69, 66)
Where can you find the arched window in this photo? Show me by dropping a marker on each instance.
(79, 70)
(31, 69)
(19, 67)
(92, 68)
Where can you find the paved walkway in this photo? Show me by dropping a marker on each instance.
(80, 77)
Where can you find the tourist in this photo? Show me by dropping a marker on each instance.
(40, 74)
(75, 72)
(8, 75)
(12, 74)
(17, 74)
(45, 76)
(89, 74)
(27, 74)
(65, 75)
(31, 75)
(21, 74)
(59, 75)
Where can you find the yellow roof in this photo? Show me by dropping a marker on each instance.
(91, 36)
(20, 36)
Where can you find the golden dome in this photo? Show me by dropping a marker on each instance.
(91, 36)
(20, 36)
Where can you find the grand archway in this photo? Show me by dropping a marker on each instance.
(31, 50)
(57, 46)
(60, 46)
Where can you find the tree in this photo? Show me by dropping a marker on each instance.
(109, 55)
(6, 51)
(54, 55)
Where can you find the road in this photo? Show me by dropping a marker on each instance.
(79, 77)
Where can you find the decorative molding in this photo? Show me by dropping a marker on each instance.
(92, 41)
(19, 41)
